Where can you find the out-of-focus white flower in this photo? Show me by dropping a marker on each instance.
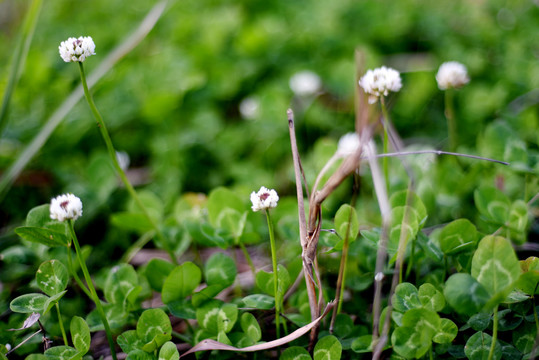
(305, 83)
(379, 82)
(264, 199)
(123, 160)
(66, 207)
(452, 75)
(348, 144)
(77, 50)
(249, 107)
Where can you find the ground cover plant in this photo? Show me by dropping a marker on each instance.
(305, 180)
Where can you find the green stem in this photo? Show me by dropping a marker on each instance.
(19, 57)
(451, 123)
(112, 153)
(94, 296)
(385, 124)
(494, 333)
(185, 339)
(135, 248)
(275, 276)
(64, 336)
(75, 275)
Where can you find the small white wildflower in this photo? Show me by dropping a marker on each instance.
(379, 82)
(264, 199)
(249, 107)
(452, 75)
(66, 207)
(77, 50)
(123, 160)
(379, 276)
(305, 83)
(348, 144)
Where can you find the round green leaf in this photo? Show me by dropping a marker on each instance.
(264, 280)
(220, 199)
(52, 277)
(465, 294)
(446, 332)
(129, 341)
(181, 282)
(492, 203)
(431, 298)
(169, 351)
(215, 316)
(409, 198)
(327, 348)
(220, 270)
(29, 303)
(478, 347)
(406, 297)
(346, 222)
(43, 236)
(80, 334)
(259, 301)
(154, 329)
(459, 235)
(530, 277)
(295, 353)
(495, 265)
(404, 227)
(410, 343)
(422, 320)
(250, 326)
(524, 337)
(157, 271)
(120, 283)
(62, 353)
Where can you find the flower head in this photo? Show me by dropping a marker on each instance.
(348, 144)
(452, 75)
(305, 83)
(264, 199)
(77, 50)
(379, 82)
(66, 207)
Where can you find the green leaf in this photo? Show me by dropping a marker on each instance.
(459, 235)
(406, 297)
(404, 227)
(62, 353)
(205, 294)
(295, 353)
(478, 347)
(181, 282)
(121, 286)
(479, 322)
(221, 270)
(80, 334)
(116, 314)
(465, 294)
(29, 303)
(52, 301)
(446, 332)
(40, 216)
(129, 341)
(346, 221)
(524, 337)
(265, 281)
(344, 325)
(182, 308)
(529, 279)
(43, 236)
(327, 348)
(154, 329)
(518, 221)
(495, 265)
(250, 327)
(215, 316)
(409, 198)
(232, 221)
(414, 337)
(139, 354)
(362, 344)
(169, 351)
(259, 301)
(52, 277)
(156, 272)
(492, 203)
(431, 298)
(220, 199)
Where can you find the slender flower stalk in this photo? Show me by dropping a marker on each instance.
(61, 323)
(494, 333)
(385, 124)
(119, 170)
(91, 287)
(266, 199)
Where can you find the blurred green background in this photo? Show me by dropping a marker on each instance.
(173, 104)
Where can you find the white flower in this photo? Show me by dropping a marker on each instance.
(65, 207)
(305, 83)
(249, 107)
(74, 50)
(348, 144)
(379, 82)
(123, 160)
(264, 199)
(452, 74)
